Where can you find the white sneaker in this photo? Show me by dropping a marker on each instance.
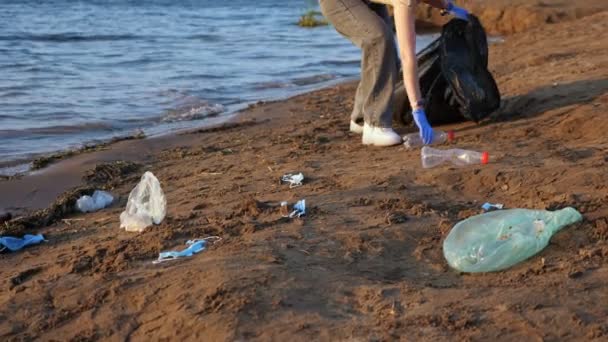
(356, 128)
(379, 136)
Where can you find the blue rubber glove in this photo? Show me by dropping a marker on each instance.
(426, 131)
(457, 12)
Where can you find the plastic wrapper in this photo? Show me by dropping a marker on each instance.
(500, 239)
(146, 205)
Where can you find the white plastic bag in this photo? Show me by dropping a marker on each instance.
(99, 200)
(146, 205)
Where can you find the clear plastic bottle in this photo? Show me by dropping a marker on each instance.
(439, 137)
(432, 157)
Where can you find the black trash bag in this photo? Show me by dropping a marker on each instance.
(454, 77)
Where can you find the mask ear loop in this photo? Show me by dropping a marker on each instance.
(208, 239)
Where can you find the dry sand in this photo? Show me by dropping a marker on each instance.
(366, 263)
(512, 16)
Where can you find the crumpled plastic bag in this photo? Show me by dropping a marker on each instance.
(146, 205)
(294, 180)
(99, 200)
(500, 239)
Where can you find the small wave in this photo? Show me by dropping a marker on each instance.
(55, 130)
(13, 94)
(205, 37)
(200, 77)
(298, 82)
(68, 37)
(135, 62)
(304, 81)
(271, 85)
(8, 169)
(20, 87)
(12, 117)
(336, 63)
(192, 108)
(14, 66)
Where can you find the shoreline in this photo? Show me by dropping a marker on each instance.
(69, 166)
(17, 168)
(426, 17)
(499, 18)
(366, 262)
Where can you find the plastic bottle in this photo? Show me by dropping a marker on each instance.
(439, 137)
(432, 157)
(500, 239)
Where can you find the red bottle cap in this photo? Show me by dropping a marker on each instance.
(450, 136)
(485, 158)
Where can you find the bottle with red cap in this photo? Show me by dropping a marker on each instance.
(432, 157)
(439, 137)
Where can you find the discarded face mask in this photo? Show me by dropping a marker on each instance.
(294, 180)
(194, 247)
(492, 206)
(99, 200)
(14, 244)
(299, 209)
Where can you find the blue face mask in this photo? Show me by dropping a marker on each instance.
(14, 244)
(299, 209)
(194, 247)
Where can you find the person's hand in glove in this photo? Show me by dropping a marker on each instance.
(456, 11)
(426, 131)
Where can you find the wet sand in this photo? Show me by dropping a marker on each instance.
(366, 262)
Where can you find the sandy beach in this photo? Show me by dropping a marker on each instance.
(366, 262)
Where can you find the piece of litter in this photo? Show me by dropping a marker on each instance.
(99, 200)
(500, 239)
(294, 180)
(194, 246)
(299, 209)
(210, 173)
(492, 206)
(14, 244)
(69, 221)
(146, 205)
(284, 209)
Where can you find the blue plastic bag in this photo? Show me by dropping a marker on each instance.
(498, 240)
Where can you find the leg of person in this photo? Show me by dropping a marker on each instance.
(356, 118)
(356, 21)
